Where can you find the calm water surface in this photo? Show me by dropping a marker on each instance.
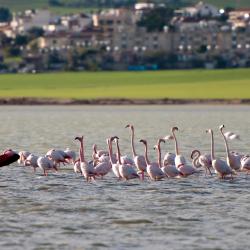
(62, 211)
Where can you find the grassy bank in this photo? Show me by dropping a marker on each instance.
(202, 84)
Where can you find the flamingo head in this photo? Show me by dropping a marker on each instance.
(130, 126)
(155, 147)
(160, 140)
(143, 141)
(114, 138)
(174, 129)
(194, 152)
(210, 131)
(221, 127)
(94, 147)
(79, 138)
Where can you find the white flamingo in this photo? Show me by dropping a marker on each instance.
(169, 167)
(180, 162)
(87, 169)
(233, 160)
(113, 161)
(45, 164)
(153, 169)
(71, 155)
(202, 160)
(77, 167)
(245, 163)
(57, 156)
(220, 166)
(231, 136)
(126, 170)
(139, 160)
(23, 156)
(97, 154)
(169, 158)
(31, 160)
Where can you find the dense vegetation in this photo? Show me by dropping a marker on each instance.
(206, 84)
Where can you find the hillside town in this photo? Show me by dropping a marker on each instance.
(145, 37)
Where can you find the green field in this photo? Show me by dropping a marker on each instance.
(204, 84)
(16, 5)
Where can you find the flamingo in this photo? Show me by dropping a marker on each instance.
(245, 163)
(219, 165)
(71, 155)
(169, 158)
(57, 156)
(97, 155)
(233, 160)
(231, 136)
(23, 156)
(180, 161)
(7, 157)
(87, 169)
(126, 170)
(153, 169)
(77, 167)
(169, 167)
(202, 160)
(139, 160)
(32, 161)
(45, 164)
(113, 161)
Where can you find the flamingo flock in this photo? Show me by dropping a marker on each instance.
(124, 167)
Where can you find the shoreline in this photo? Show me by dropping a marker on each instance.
(120, 101)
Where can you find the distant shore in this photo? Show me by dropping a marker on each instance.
(120, 101)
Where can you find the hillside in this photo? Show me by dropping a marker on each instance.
(76, 4)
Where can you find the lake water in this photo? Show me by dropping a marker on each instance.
(62, 211)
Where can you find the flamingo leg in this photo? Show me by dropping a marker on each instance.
(142, 175)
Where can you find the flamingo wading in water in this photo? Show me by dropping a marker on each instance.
(219, 165)
(139, 160)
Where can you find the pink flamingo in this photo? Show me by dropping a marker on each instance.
(233, 160)
(32, 161)
(125, 170)
(169, 167)
(46, 164)
(23, 156)
(202, 160)
(180, 161)
(139, 160)
(87, 169)
(153, 169)
(113, 161)
(219, 165)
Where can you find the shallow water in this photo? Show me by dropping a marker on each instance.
(62, 211)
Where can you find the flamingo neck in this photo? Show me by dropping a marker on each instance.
(81, 152)
(119, 153)
(132, 142)
(212, 146)
(176, 144)
(159, 155)
(196, 157)
(110, 151)
(146, 154)
(226, 144)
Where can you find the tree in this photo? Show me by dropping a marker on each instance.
(21, 40)
(5, 15)
(156, 19)
(35, 32)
